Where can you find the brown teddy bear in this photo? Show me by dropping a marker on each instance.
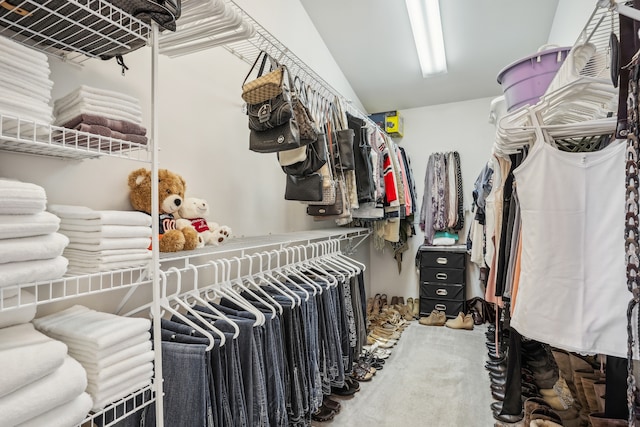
(171, 187)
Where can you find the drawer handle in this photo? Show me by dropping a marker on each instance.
(441, 276)
(440, 307)
(442, 260)
(442, 292)
(15, 9)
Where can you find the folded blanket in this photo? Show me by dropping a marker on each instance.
(10, 316)
(32, 248)
(26, 364)
(121, 126)
(120, 243)
(57, 388)
(17, 273)
(143, 370)
(85, 355)
(116, 358)
(12, 226)
(21, 197)
(107, 256)
(117, 393)
(105, 131)
(97, 330)
(69, 214)
(68, 414)
(110, 113)
(110, 231)
(88, 268)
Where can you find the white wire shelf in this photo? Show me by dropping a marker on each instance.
(245, 245)
(72, 30)
(26, 136)
(121, 409)
(72, 286)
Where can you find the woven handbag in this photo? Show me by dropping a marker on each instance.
(266, 86)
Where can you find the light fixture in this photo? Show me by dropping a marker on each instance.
(427, 34)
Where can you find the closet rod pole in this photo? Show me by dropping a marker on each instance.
(155, 257)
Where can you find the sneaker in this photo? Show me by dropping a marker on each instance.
(436, 318)
(463, 321)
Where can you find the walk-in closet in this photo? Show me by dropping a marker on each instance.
(221, 213)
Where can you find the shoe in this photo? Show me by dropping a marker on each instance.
(509, 419)
(401, 301)
(323, 414)
(599, 420)
(331, 404)
(461, 322)
(394, 301)
(436, 318)
(410, 304)
(416, 308)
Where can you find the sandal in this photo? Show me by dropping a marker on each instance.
(361, 374)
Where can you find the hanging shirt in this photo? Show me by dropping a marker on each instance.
(572, 290)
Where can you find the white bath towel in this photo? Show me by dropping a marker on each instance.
(71, 214)
(96, 101)
(21, 198)
(25, 87)
(20, 335)
(120, 356)
(28, 225)
(109, 113)
(22, 67)
(83, 257)
(10, 96)
(25, 364)
(100, 376)
(11, 113)
(40, 81)
(122, 243)
(110, 231)
(78, 269)
(96, 329)
(17, 273)
(143, 370)
(117, 393)
(32, 248)
(69, 414)
(90, 90)
(17, 50)
(57, 388)
(85, 355)
(14, 316)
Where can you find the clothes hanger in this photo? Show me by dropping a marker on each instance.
(274, 283)
(273, 304)
(180, 303)
(195, 294)
(239, 282)
(319, 272)
(335, 264)
(286, 272)
(296, 269)
(232, 294)
(360, 267)
(279, 270)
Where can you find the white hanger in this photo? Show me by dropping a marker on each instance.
(274, 283)
(360, 267)
(273, 304)
(281, 270)
(232, 294)
(311, 265)
(239, 282)
(296, 268)
(195, 294)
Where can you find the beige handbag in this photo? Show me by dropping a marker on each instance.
(266, 86)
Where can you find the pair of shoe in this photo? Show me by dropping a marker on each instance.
(351, 387)
(463, 321)
(435, 318)
(414, 307)
(329, 409)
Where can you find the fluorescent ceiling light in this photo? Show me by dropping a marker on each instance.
(427, 33)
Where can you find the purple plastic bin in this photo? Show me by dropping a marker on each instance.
(526, 80)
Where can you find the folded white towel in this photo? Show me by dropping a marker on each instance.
(11, 112)
(37, 71)
(10, 96)
(32, 248)
(116, 393)
(97, 330)
(106, 254)
(116, 358)
(20, 335)
(85, 355)
(17, 273)
(121, 243)
(69, 414)
(25, 364)
(28, 225)
(89, 90)
(109, 113)
(19, 197)
(77, 215)
(96, 101)
(100, 376)
(77, 257)
(89, 268)
(111, 231)
(39, 80)
(146, 370)
(25, 87)
(34, 57)
(57, 388)
(14, 316)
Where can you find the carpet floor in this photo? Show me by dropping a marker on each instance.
(434, 377)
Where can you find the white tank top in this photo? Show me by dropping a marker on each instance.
(572, 292)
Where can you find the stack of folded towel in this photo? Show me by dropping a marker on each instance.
(104, 240)
(30, 248)
(102, 112)
(39, 383)
(114, 350)
(25, 88)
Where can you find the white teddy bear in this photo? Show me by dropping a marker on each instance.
(193, 213)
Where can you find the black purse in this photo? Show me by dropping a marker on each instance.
(316, 158)
(281, 138)
(343, 149)
(269, 114)
(304, 188)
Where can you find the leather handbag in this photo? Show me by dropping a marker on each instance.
(281, 138)
(315, 159)
(343, 153)
(335, 209)
(269, 114)
(291, 157)
(265, 86)
(304, 188)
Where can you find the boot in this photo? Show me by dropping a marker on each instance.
(530, 404)
(599, 420)
(588, 373)
(590, 393)
(599, 387)
(461, 322)
(436, 318)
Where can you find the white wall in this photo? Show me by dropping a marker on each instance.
(571, 17)
(460, 126)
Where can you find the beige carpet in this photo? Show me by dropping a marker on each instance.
(435, 377)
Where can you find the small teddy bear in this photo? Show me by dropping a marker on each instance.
(171, 187)
(194, 212)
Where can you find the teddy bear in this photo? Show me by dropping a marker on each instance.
(194, 212)
(171, 188)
